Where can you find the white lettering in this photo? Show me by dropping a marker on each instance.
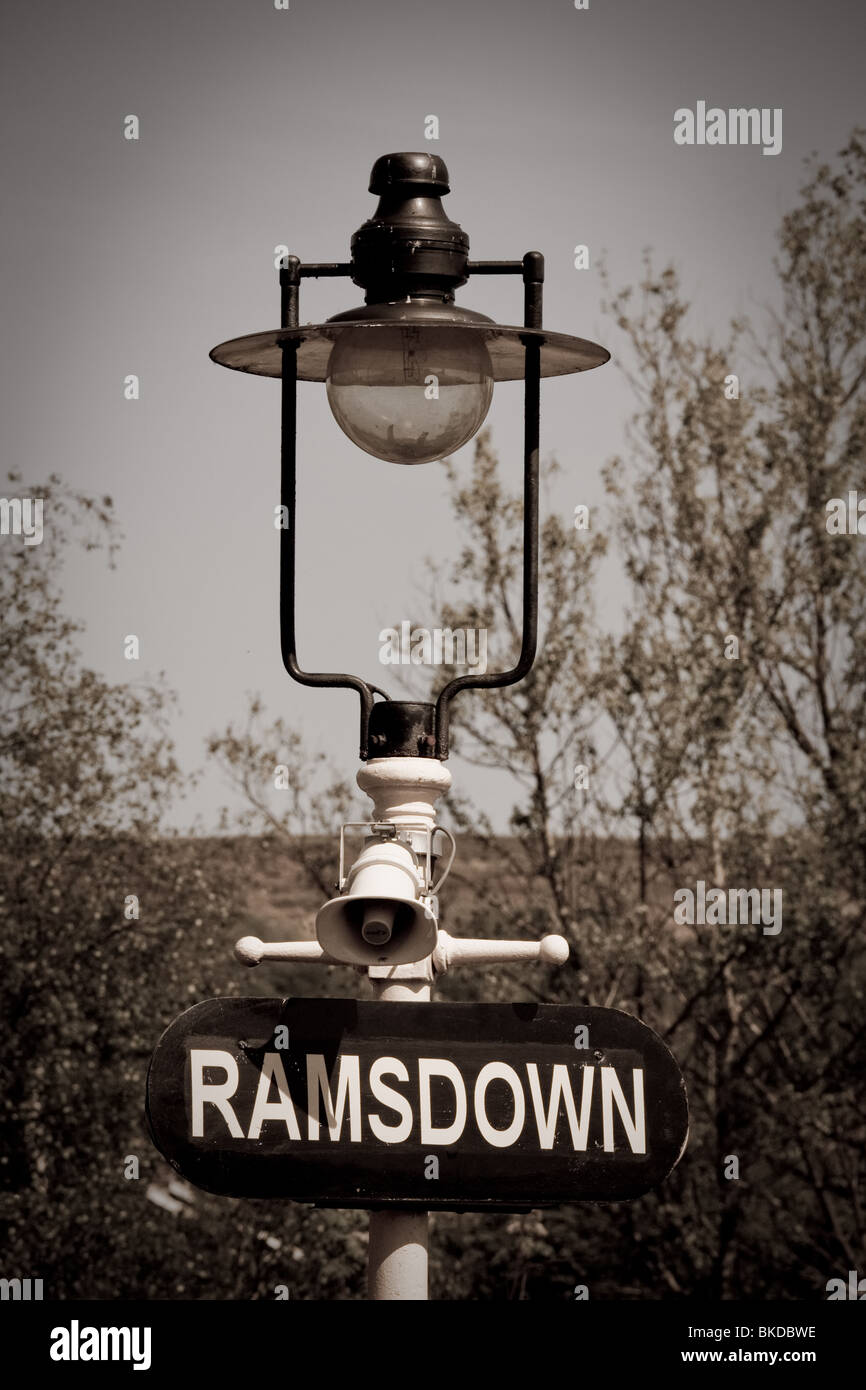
(611, 1091)
(429, 1067)
(281, 1109)
(348, 1087)
(213, 1093)
(386, 1095)
(499, 1071)
(560, 1090)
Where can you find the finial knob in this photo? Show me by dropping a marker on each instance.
(553, 950)
(394, 169)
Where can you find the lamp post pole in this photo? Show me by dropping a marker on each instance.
(409, 258)
(398, 1240)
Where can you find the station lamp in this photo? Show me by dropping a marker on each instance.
(409, 377)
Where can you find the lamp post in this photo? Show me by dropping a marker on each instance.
(409, 376)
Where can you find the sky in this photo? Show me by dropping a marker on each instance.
(259, 127)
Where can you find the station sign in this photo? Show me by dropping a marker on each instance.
(434, 1106)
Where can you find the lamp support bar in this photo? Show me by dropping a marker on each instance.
(289, 286)
(434, 742)
(533, 279)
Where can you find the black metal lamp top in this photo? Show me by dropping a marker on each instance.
(409, 258)
(409, 247)
(396, 170)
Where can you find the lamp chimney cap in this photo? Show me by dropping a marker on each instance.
(392, 170)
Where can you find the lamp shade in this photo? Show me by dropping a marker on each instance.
(262, 353)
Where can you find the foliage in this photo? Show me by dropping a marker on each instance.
(741, 765)
(741, 770)
(85, 993)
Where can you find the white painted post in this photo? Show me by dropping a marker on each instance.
(397, 1256)
(398, 1241)
(403, 791)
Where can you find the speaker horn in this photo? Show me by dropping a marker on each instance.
(381, 919)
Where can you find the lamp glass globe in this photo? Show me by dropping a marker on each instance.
(409, 394)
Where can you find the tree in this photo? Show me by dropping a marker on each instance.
(756, 760)
(109, 927)
(279, 780)
(541, 731)
(733, 709)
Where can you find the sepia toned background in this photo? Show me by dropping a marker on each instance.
(259, 128)
(140, 829)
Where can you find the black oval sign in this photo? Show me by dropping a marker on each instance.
(351, 1103)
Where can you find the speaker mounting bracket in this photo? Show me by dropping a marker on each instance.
(417, 836)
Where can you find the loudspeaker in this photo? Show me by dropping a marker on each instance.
(380, 919)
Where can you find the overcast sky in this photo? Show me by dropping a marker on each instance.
(259, 127)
